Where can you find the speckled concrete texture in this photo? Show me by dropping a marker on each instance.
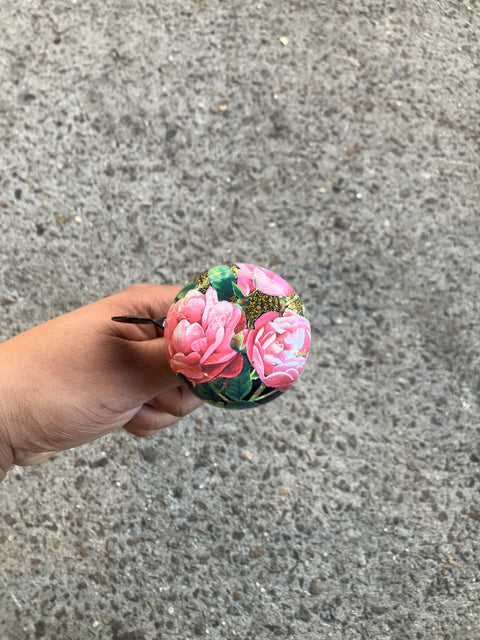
(337, 144)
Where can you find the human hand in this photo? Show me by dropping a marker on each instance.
(75, 378)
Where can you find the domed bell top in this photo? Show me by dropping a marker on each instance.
(237, 335)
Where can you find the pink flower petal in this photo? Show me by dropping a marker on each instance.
(198, 332)
(278, 346)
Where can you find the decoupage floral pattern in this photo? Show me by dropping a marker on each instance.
(237, 335)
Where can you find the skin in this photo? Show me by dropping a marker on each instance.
(77, 377)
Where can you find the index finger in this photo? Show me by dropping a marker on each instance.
(151, 371)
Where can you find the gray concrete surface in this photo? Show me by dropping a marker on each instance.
(338, 144)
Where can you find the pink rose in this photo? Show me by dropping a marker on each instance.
(251, 277)
(278, 347)
(198, 332)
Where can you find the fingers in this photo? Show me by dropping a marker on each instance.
(163, 411)
(148, 421)
(26, 458)
(150, 373)
(149, 300)
(178, 402)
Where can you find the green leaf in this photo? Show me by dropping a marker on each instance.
(237, 291)
(222, 280)
(185, 289)
(206, 392)
(223, 289)
(240, 386)
(219, 273)
(270, 395)
(218, 384)
(240, 404)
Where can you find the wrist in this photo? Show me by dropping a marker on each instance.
(6, 460)
(6, 450)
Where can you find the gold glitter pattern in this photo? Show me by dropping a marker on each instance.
(234, 269)
(294, 303)
(259, 303)
(203, 281)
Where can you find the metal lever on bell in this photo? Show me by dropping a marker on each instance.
(160, 322)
